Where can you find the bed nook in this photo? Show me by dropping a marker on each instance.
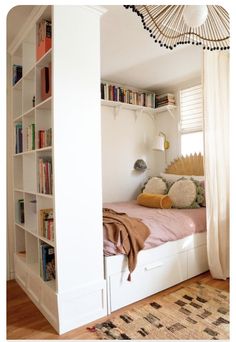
(175, 248)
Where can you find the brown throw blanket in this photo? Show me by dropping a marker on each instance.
(127, 231)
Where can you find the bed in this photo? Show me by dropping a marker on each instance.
(173, 252)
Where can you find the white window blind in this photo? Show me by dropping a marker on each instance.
(191, 110)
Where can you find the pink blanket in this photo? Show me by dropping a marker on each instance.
(164, 224)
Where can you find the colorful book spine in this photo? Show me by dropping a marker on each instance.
(47, 223)
(47, 262)
(45, 138)
(45, 175)
(30, 137)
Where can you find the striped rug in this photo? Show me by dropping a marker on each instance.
(194, 312)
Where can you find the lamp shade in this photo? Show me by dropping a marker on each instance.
(159, 143)
(195, 15)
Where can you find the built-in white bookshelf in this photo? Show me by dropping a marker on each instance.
(77, 293)
(33, 114)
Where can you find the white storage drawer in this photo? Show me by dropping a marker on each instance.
(197, 261)
(147, 280)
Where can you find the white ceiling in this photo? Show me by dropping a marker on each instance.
(128, 55)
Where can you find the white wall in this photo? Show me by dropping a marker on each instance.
(126, 138)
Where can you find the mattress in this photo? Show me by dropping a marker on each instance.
(164, 224)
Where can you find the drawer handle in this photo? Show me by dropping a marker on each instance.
(150, 267)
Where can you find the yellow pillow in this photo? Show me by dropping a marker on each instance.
(154, 201)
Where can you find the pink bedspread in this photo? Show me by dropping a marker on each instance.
(164, 224)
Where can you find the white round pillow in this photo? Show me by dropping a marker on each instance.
(183, 193)
(155, 185)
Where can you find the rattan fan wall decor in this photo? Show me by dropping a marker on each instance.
(187, 165)
(168, 25)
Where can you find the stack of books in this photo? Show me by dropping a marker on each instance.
(17, 73)
(45, 138)
(116, 93)
(30, 137)
(46, 224)
(165, 99)
(47, 262)
(45, 175)
(19, 138)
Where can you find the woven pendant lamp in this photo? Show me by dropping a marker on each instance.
(175, 25)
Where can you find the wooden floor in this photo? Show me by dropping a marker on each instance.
(24, 320)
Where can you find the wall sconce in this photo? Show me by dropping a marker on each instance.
(160, 142)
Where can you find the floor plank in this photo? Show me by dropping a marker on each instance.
(25, 321)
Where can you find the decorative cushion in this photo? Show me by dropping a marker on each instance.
(155, 185)
(154, 201)
(187, 193)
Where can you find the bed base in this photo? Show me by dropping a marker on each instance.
(157, 269)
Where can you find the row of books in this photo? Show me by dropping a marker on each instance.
(16, 73)
(165, 99)
(120, 94)
(46, 224)
(45, 138)
(47, 262)
(45, 175)
(19, 138)
(30, 137)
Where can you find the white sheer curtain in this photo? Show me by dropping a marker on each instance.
(216, 164)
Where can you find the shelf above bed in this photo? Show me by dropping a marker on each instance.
(138, 109)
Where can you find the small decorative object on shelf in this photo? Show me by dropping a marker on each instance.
(47, 262)
(17, 73)
(44, 38)
(121, 94)
(46, 224)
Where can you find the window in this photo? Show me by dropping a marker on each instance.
(191, 120)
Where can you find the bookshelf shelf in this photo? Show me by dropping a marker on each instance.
(18, 84)
(120, 105)
(19, 118)
(22, 257)
(49, 242)
(46, 104)
(20, 225)
(45, 59)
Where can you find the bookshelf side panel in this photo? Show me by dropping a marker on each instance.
(77, 146)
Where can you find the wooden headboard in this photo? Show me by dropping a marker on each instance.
(188, 165)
